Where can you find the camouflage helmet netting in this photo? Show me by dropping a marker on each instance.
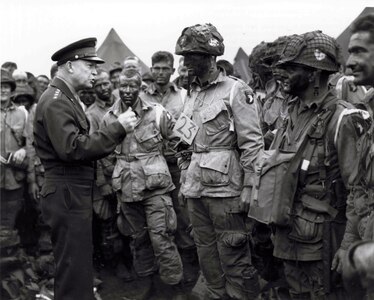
(204, 39)
(313, 49)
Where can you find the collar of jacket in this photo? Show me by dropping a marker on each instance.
(140, 105)
(102, 104)
(212, 80)
(63, 86)
(152, 88)
(10, 106)
(317, 102)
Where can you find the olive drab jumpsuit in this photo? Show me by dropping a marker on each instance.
(223, 152)
(143, 184)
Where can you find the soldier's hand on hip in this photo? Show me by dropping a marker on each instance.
(128, 120)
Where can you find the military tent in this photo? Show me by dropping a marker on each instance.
(113, 49)
(241, 68)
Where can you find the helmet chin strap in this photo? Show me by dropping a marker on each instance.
(317, 78)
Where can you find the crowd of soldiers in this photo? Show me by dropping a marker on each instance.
(263, 189)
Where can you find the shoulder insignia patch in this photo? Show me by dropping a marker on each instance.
(249, 97)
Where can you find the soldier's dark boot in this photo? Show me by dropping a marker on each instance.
(191, 266)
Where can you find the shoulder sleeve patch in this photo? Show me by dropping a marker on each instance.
(249, 97)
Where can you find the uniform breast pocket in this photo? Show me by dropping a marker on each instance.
(148, 136)
(215, 168)
(215, 118)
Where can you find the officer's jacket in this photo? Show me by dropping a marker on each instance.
(140, 170)
(13, 122)
(95, 114)
(360, 202)
(61, 130)
(330, 165)
(228, 141)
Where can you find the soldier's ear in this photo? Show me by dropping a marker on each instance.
(69, 66)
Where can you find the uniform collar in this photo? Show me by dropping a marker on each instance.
(213, 79)
(10, 106)
(103, 104)
(152, 88)
(66, 88)
(139, 106)
(316, 104)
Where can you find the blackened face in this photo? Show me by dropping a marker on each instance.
(197, 64)
(361, 58)
(129, 89)
(87, 96)
(183, 73)
(295, 79)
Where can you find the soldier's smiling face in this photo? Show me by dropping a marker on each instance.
(361, 57)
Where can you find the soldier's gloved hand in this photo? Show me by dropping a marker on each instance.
(245, 198)
(337, 262)
(128, 120)
(19, 156)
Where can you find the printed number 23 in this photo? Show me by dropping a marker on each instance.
(186, 127)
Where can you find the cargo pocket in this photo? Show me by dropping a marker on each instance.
(156, 176)
(117, 177)
(234, 239)
(170, 216)
(47, 189)
(307, 226)
(215, 168)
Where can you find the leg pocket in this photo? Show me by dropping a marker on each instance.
(307, 226)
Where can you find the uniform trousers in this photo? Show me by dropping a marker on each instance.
(152, 223)
(223, 247)
(66, 204)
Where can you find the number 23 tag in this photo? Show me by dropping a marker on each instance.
(185, 128)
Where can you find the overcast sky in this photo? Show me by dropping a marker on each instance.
(32, 30)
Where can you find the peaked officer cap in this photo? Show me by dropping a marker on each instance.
(82, 49)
